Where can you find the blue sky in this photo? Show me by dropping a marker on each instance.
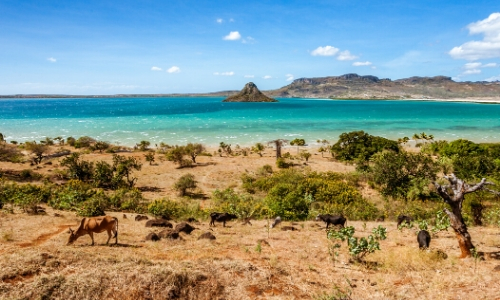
(109, 47)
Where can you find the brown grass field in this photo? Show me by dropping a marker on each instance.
(244, 262)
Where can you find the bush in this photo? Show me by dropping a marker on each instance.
(165, 208)
(71, 195)
(84, 142)
(127, 200)
(282, 163)
(286, 201)
(93, 207)
(184, 183)
(359, 247)
(358, 145)
(243, 206)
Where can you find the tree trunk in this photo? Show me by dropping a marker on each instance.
(463, 236)
(455, 199)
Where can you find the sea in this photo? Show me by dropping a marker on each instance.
(208, 120)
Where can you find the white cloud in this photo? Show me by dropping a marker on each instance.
(248, 40)
(249, 76)
(231, 20)
(232, 36)
(488, 47)
(155, 69)
(51, 59)
(360, 63)
(490, 65)
(224, 73)
(289, 77)
(174, 69)
(267, 77)
(473, 65)
(220, 21)
(325, 51)
(494, 78)
(346, 55)
(471, 72)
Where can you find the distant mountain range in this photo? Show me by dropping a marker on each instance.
(352, 86)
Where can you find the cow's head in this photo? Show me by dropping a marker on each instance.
(317, 217)
(72, 237)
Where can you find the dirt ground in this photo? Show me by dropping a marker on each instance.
(243, 262)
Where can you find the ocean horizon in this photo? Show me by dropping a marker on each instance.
(207, 120)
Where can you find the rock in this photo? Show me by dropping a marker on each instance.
(192, 220)
(496, 269)
(184, 227)
(141, 218)
(289, 228)
(169, 234)
(152, 237)
(250, 93)
(124, 216)
(159, 223)
(262, 242)
(206, 235)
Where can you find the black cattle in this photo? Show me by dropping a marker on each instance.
(405, 219)
(331, 219)
(424, 239)
(221, 217)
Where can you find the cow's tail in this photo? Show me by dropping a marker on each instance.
(116, 228)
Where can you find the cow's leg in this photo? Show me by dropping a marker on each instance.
(223, 223)
(92, 237)
(327, 225)
(109, 236)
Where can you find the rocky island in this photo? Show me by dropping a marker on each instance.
(250, 93)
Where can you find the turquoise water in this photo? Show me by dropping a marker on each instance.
(127, 121)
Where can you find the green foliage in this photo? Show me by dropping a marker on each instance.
(122, 170)
(305, 155)
(359, 247)
(78, 169)
(403, 174)
(71, 195)
(247, 183)
(37, 150)
(143, 145)
(282, 163)
(225, 148)
(25, 196)
(101, 145)
(193, 150)
(441, 222)
(165, 208)
(258, 148)
(10, 153)
(360, 146)
(286, 201)
(84, 142)
(71, 141)
(127, 200)
(94, 206)
(150, 157)
(176, 155)
(265, 170)
(244, 206)
(184, 183)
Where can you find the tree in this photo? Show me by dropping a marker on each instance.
(323, 147)
(454, 195)
(2, 139)
(100, 146)
(185, 182)
(398, 173)
(306, 155)
(321, 150)
(360, 146)
(78, 169)
(226, 148)
(38, 150)
(176, 154)
(123, 167)
(150, 157)
(278, 144)
(193, 150)
(298, 143)
(143, 145)
(258, 148)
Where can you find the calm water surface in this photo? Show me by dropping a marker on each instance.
(127, 121)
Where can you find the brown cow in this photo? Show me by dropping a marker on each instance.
(95, 225)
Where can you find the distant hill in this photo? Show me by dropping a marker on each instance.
(348, 86)
(354, 86)
(249, 93)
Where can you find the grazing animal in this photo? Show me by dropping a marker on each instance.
(332, 219)
(275, 222)
(95, 225)
(141, 218)
(404, 219)
(424, 239)
(221, 217)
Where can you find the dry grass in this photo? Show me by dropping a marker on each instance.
(290, 265)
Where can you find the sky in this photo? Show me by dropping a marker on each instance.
(147, 47)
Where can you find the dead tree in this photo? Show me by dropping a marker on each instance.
(278, 144)
(455, 199)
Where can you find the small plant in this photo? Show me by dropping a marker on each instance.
(405, 225)
(442, 222)
(184, 183)
(359, 247)
(423, 225)
(258, 248)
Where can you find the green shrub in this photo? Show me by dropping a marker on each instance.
(71, 195)
(358, 145)
(127, 200)
(94, 206)
(243, 206)
(359, 247)
(286, 201)
(165, 208)
(282, 163)
(184, 183)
